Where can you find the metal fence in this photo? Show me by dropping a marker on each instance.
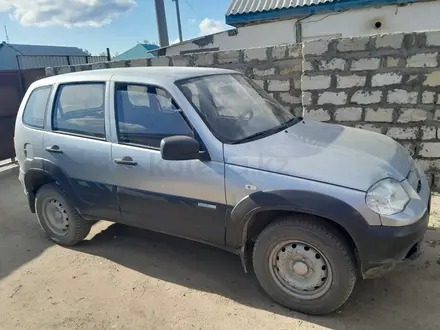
(43, 61)
(13, 85)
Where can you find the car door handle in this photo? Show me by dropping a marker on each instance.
(55, 149)
(125, 161)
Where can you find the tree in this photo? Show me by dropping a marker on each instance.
(86, 51)
(148, 42)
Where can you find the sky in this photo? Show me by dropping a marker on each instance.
(95, 25)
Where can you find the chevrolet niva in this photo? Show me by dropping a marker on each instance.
(207, 155)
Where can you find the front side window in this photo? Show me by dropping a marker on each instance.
(235, 108)
(35, 108)
(79, 109)
(147, 114)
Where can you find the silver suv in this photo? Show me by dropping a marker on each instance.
(207, 155)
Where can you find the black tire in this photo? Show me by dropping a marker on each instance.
(328, 241)
(78, 227)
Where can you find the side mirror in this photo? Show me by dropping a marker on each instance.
(179, 147)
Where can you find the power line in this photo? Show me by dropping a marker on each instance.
(192, 8)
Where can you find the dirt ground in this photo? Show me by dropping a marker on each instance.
(122, 278)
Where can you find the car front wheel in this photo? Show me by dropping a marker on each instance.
(304, 264)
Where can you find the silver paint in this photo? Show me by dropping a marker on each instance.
(330, 159)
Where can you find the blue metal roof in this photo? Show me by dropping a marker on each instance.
(254, 6)
(44, 50)
(246, 11)
(138, 51)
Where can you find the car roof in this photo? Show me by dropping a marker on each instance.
(161, 74)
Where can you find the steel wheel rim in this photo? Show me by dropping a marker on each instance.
(300, 269)
(56, 216)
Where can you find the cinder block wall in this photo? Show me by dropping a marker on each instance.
(389, 84)
(276, 69)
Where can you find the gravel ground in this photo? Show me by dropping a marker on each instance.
(126, 278)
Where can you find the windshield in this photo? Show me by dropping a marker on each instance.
(234, 107)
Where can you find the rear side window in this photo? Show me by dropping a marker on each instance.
(79, 109)
(35, 108)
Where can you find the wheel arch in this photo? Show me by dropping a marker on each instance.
(254, 212)
(37, 177)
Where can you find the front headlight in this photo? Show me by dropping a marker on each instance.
(387, 197)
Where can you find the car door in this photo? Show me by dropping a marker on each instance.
(76, 146)
(182, 198)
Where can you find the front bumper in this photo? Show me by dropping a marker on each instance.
(383, 247)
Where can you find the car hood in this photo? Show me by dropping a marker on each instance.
(335, 154)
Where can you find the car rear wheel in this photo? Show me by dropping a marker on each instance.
(304, 264)
(58, 218)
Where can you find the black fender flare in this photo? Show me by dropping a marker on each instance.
(307, 202)
(42, 171)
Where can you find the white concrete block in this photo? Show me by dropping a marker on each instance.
(206, 59)
(160, 61)
(264, 72)
(315, 47)
(348, 114)
(279, 52)
(432, 79)
(259, 54)
(350, 81)
(429, 132)
(385, 79)
(403, 133)
(223, 57)
(389, 40)
(278, 85)
(317, 114)
(401, 96)
(352, 44)
(332, 98)
(315, 82)
(365, 97)
(412, 115)
(433, 38)
(428, 97)
(307, 98)
(380, 115)
(365, 64)
(430, 149)
(290, 99)
(422, 60)
(294, 50)
(392, 61)
(334, 64)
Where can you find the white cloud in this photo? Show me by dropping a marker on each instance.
(210, 26)
(175, 41)
(67, 13)
(192, 21)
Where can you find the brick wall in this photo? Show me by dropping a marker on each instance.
(388, 84)
(276, 69)
(385, 83)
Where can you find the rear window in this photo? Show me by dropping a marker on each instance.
(35, 108)
(79, 109)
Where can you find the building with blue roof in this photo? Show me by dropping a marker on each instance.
(138, 51)
(244, 12)
(34, 56)
(263, 23)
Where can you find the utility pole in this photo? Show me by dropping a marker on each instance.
(161, 23)
(6, 33)
(179, 24)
